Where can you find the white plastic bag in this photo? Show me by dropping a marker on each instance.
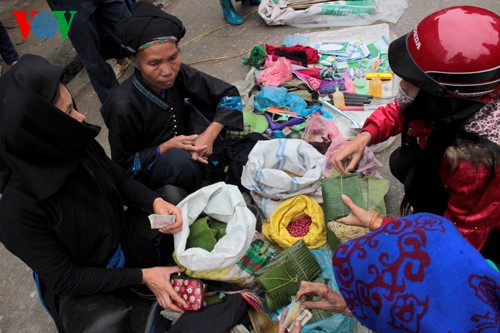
(282, 168)
(330, 14)
(224, 203)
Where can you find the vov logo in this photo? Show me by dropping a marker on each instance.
(44, 25)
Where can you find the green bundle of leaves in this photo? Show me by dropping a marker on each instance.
(367, 192)
(281, 278)
(205, 232)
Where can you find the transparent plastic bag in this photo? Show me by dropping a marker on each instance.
(324, 135)
(320, 132)
(367, 166)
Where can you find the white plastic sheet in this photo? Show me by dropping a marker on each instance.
(330, 13)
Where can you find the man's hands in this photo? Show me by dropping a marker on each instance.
(163, 207)
(328, 299)
(348, 155)
(157, 279)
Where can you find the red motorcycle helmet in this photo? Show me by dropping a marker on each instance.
(454, 51)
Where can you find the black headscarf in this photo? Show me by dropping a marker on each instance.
(147, 23)
(39, 144)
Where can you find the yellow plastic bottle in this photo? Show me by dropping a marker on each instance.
(338, 99)
(375, 86)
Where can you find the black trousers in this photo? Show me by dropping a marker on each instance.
(93, 36)
(7, 49)
(174, 167)
(122, 311)
(125, 311)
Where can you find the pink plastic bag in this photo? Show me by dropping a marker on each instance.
(276, 73)
(323, 135)
(320, 132)
(367, 166)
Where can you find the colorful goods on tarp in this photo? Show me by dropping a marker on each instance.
(286, 175)
(338, 61)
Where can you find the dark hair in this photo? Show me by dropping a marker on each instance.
(424, 190)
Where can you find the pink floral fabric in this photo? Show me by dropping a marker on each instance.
(486, 122)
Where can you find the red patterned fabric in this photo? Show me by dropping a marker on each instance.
(191, 290)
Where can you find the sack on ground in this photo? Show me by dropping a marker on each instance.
(297, 218)
(280, 169)
(225, 204)
(303, 14)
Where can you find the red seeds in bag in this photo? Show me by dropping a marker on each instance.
(299, 227)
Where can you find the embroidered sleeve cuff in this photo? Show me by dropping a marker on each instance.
(230, 102)
(151, 165)
(137, 167)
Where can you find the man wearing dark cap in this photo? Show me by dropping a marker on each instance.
(153, 133)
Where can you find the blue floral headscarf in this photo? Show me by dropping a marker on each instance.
(418, 274)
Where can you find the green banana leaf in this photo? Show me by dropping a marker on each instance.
(281, 278)
(377, 188)
(205, 232)
(367, 192)
(200, 235)
(334, 187)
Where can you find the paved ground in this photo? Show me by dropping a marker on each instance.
(209, 45)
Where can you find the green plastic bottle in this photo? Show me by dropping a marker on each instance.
(361, 86)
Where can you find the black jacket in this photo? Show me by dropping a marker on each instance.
(61, 211)
(139, 121)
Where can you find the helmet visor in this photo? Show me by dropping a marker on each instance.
(405, 67)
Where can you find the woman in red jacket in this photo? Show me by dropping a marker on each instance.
(447, 112)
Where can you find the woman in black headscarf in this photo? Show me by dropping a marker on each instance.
(62, 200)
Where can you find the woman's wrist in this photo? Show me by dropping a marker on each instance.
(144, 275)
(375, 221)
(164, 147)
(213, 130)
(365, 137)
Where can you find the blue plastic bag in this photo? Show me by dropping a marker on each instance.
(269, 96)
(337, 323)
